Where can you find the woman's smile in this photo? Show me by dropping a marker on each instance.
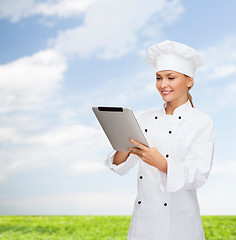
(166, 92)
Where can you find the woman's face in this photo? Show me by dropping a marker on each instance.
(173, 86)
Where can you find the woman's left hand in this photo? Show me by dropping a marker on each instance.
(150, 156)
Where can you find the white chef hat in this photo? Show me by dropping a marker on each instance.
(169, 55)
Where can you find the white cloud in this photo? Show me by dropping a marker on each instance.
(15, 10)
(217, 79)
(219, 59)
(76, 149)
(64, 135)
(228, 97)
(19, 9)
(112, 28)
(8, 134)
(218, 195)
(29, 81)
(62, 8)
(224, 70)
(224, 167)
(86, 167)
(223, 95)
(103, 33)
(172, 11)
(93, 203)
(2, 178)
(217, 204)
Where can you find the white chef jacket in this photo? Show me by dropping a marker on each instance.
(166, 206)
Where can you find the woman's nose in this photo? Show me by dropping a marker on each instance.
(164, 83)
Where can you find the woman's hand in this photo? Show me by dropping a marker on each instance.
(150, 156)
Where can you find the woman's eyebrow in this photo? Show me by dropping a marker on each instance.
(169, 74)
(157, 74)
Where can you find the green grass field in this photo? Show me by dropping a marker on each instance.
(95, 227)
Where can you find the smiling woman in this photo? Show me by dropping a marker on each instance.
(174, 86)
(179, 158)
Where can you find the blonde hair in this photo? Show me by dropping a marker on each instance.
(190, 96)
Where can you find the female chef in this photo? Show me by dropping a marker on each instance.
(179, 159)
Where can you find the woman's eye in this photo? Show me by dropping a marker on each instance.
(171, 78)
(158, 78)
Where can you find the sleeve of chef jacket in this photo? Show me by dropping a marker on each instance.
(192, 171)
(124, 167)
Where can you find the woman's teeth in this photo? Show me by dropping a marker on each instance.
(166, 92)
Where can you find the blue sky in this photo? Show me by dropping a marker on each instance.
(60, 58)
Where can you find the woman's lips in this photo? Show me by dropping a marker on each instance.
(166, 92)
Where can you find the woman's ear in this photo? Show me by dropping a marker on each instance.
(189, 81)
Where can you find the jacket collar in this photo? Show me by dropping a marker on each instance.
(181, 110)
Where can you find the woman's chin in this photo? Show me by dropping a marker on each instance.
(166, 98)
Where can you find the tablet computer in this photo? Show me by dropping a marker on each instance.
(119, 125)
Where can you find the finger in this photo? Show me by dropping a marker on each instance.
(136, 154)
(135, 151)
(138, 144)
(143, 158)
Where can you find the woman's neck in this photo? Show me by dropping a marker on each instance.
(171, 106)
